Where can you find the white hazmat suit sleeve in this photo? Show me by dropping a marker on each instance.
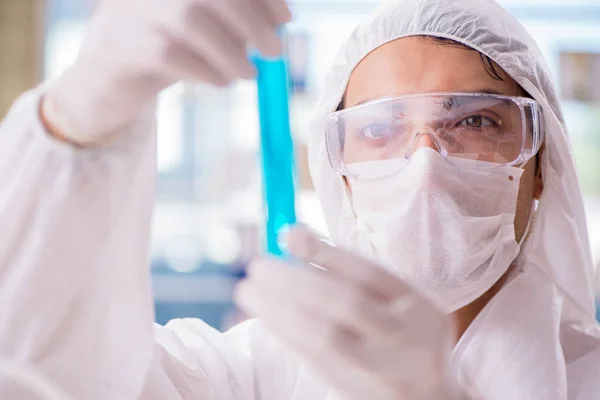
(74, 291)
(75, 298)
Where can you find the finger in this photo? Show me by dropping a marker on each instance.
(225, 48)
(280, 10)
(342, 302)
(255, 23)
(187, 65)
(290, 321)
(328, 351)
(305, 245)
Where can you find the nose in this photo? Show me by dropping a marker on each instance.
(425, 140)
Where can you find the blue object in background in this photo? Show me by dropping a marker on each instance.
(277, 149)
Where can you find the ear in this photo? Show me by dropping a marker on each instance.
(538, 181)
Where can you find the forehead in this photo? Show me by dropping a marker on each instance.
(418, 65)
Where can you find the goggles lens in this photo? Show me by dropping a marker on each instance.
(500, 130)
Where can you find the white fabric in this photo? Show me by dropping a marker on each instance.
(75, 302)
(522, 344)
(28, 379)
(135, 48)
(469, 240)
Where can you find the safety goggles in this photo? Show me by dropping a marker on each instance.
(500, 130)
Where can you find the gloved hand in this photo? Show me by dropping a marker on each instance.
(135, 48)
(362, 329)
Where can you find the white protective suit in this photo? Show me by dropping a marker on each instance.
(75, 297)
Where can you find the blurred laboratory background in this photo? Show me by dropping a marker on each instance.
(208, 218)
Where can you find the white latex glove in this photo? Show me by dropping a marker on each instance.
(135, 48)
(362, 329)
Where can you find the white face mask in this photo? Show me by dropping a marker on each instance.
(447, 230)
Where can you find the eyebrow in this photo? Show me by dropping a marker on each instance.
(487, 91)
(482, 91)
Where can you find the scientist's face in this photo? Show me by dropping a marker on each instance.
(420, 65)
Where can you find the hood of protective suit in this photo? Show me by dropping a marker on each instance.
(540, 322)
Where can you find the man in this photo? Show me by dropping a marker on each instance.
(431, 168)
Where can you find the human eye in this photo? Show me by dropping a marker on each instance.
(477, 121)
(375, 131)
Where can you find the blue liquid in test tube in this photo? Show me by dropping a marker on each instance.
(277, 149)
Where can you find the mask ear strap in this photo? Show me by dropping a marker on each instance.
(529, 221)
(520, 260)
(517, 264)
(348, 205)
